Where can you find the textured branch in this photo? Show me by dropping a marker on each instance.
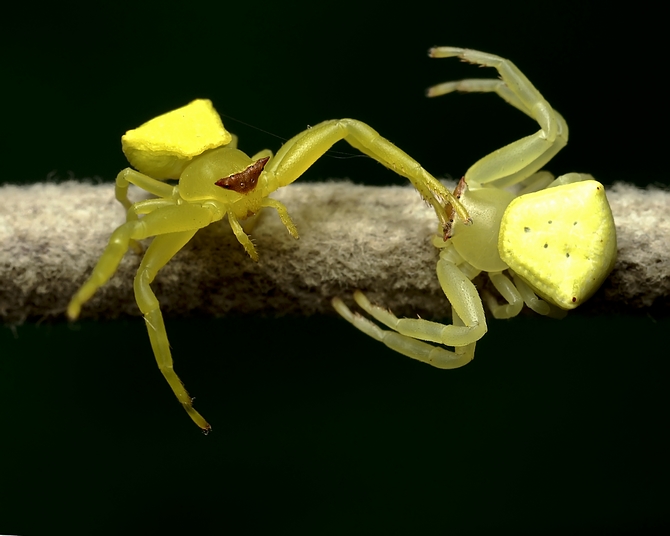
(373, 238)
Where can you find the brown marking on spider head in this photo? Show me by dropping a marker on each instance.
(451, 212)
(460, 188)
(246, 180)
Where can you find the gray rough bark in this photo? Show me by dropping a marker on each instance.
(351, 236)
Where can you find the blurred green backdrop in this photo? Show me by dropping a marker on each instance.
(556, 427)
(77, 76)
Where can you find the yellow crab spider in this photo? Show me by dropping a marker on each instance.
(550, 244)
(216, 179)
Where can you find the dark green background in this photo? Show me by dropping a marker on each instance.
(78, 76)
(558, 426)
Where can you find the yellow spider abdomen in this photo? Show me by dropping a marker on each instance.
(164, 146)
(561, 240)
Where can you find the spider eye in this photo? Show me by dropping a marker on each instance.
(246, 180)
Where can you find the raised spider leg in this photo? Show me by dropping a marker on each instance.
(406, 345)
(301, 151)
(479, 85)
(520, 159)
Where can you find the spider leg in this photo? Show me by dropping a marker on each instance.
(283, 214)
(106, 266)
(170, 219)
(173, 226)
(520, 159)
(405, 344)
(145, 207)
(469, 321)
(129, 176)
(301, 151)
(508, 291)
(529, 297)
(161, 250)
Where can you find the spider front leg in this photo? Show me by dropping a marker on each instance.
(520, 159)
(301, 151)
(406, 345)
